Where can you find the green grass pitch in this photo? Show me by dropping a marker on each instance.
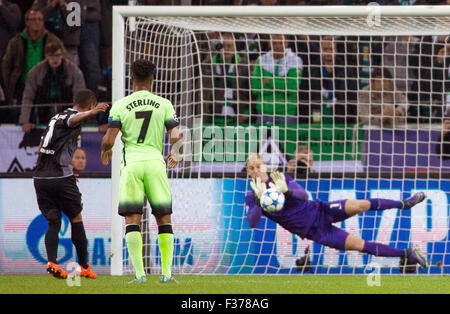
(228, 284)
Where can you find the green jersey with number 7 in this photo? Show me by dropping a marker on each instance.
(141, 117)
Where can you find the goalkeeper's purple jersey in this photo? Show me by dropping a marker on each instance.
(297, 215)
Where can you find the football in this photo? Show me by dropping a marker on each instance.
(272, 200)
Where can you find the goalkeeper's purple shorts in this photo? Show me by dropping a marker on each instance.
(323, 231)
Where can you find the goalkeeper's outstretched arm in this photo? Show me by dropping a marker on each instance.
(286, 185)
(295, 190)
(254, 211)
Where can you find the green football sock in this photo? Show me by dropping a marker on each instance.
(165, 242)
(134, 245)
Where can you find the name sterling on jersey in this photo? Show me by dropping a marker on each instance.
(142, 102)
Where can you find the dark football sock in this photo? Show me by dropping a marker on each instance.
(379, 249)
(51, 240)
(80, 242)
(382, 204)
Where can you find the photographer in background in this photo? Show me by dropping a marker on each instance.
(302, 162)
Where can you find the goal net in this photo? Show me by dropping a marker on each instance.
(350, 101)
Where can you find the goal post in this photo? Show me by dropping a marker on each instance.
(356, 158)
(118, 92)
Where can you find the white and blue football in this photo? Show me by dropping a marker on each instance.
(272, 200)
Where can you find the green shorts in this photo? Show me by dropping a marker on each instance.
(142, 179)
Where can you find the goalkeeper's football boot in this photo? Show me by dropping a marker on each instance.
(138, 280)
(165, 279)
(56, 271)
(414, 200)
(87, 272)
(413, 257)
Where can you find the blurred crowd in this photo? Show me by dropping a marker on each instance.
(289, 79)
(336, 81)
(47, 54)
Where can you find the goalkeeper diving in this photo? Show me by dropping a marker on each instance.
(313, 219)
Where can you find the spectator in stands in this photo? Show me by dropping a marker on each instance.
(79, 160)
(400, 58)
(275, 83)
(308, 49)
(10, 18)
(104, 89)
(226, 82)
(443, 143)
(252, 45)
(23, 52)
(106, 51)
(90, 43)
(369, 56)
(379, 103)
(333, 84)
(52, 81)
(432, 82)
(55, 19)
(302, 162)
(209, 43)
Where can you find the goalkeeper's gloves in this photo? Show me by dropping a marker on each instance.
(279, 182)
(258, 187)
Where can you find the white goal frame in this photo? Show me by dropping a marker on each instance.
(120, 13)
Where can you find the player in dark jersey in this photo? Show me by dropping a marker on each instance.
(313, 219)
(55, 183)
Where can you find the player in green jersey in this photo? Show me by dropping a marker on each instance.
(142, 118)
